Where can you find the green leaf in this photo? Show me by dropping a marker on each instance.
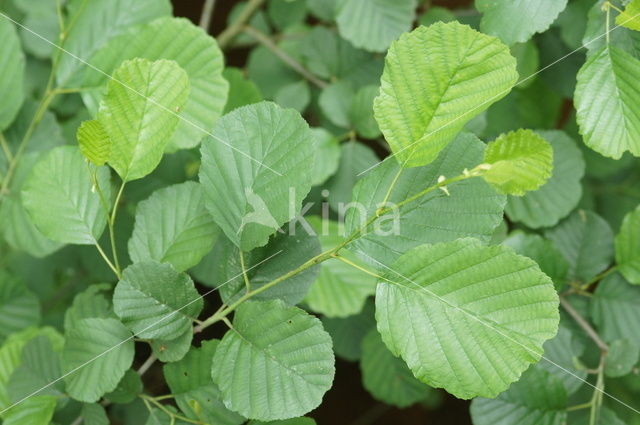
(586, 242)
(335, 102)
(156, 301)
(275, 363)
(622, 357)
(285, 252)
(179, 40)
(34, 410)
(190, 383)
(515, 21)
(19, 307)
(627, 245)
(386, 377)
(538, 398)
(434, 292)
(520, 161)
(615, 308)
(12, 66)
(560, 194)
(543, 252)
(474, 209)
(295, 95)
(97, 22)
(172, 350)
(610, 124)
(94, 414)
(59, 196)
(327, 155)
(92, 302)
(40, 366)
(292, 421)
(347, 333)
(284, 13)
(128, 389)
(242, 91)
(173, 226)
(140, 113)
(564, 350)
(373, 24)
(469, 70)
(96, 355)
(361, 112)
(247, 180)
(94, 142)
(340, 290)
(630, 18)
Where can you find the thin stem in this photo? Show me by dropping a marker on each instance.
(207, 12)
(236, 27)
(247, 283)
(5, 148)
(60, 15)
(106, 259)
(160, 406)
(607, 5)
(294, 64)
(596, 399)
(112, 225)
(356, 266)
(579, 406)
(392, 185)
(584, 325)
(147, 365)
(599, 277)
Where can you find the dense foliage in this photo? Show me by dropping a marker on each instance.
(446, 196)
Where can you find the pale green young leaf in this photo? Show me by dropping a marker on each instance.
(519, 162)
(62, 200)
(586, 242)
(435, 80)
(538, 398)
(515, 21)
(34, 410)
(140, 112)
(609, 124)
(179, 40)
(96, 355)
(173, 226)
(247, 181)
(630, 17)
(156, 301)
(387, 377)
(560, 194)
(12, 66)
(94, 142)
(458, 288)
(615, 308)
(275, 363)
(472, 208)
(19, 307)
(373, 24)
(95, 23)
(627, 246)
(340, 289)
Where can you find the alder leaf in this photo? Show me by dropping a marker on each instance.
(12, 66)
(435, 80)
(444, 309)
(615, 309)
(627, 246)
(94, 142)
(373, 24)
(96, 355)
(630, 18)
(19, 307)
(275, 363)
(173, 226)
(155, 301)
(140, 112)
(515, 21)
(197, 53)
(61, 198)
(609, 124)
(247, 180)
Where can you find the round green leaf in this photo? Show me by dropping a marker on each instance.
(61, 199)
(248, 180)
(12, 65)
(622, 357)
(173, 226)
(140, 126)
(435, 80)
(275, 363)
(96, 355)
(19, 307)
(627, 245)
(520, 161)
(327, 155)
(155, 301)
(445, 310)
(242, 91)
(615, 308)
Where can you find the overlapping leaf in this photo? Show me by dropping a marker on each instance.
(94, 142)
(12, 65)
(435, 80)
(19, 307)
(627, 245)
(615, 309)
